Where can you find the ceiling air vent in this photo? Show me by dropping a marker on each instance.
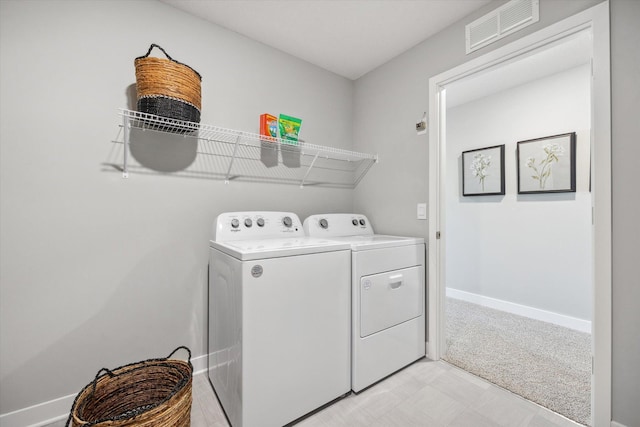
(508, 18)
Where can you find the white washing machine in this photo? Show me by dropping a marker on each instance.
(278, 318)
(388, 295)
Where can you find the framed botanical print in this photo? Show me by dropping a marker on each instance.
(547, 165)
(483, 171)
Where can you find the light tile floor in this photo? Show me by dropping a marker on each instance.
(425, 394)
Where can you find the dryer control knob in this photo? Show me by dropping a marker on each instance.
(235, 223)
(354, 221)
(362, 222)
(287, 221)
(324, 223)
(248, 223)
(260, 222)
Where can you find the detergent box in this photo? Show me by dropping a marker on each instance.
(289, 129)
(268, 127)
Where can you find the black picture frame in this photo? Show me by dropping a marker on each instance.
(547, 164)
(483, 171)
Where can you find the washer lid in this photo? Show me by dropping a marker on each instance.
(377, 241)
(246, 250)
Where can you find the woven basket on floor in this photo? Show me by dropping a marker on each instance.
(152, 393)
(168, 88)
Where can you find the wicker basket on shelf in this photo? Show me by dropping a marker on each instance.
(151, 393)
(168, 88)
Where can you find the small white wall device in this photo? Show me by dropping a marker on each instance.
(421, 125)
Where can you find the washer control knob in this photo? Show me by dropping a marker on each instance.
(260, 222)
(235, 223)
(324, 223)
(354, 221)
(362, 222)
(248, 223)
(287, 221)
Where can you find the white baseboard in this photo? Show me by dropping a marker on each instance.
(522, 310)
(40, 414)
(58, 409)
(615, 424)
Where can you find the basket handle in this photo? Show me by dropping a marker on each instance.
(168, 57)
(182, 347)
(95, 380)
(163, 51)
(109, 372)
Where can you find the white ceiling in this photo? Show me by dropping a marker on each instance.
(570, 52)
(347, 37)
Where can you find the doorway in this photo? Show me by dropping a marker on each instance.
(595, 22)
(518, 266)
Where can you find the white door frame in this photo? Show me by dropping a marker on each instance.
(597, 19)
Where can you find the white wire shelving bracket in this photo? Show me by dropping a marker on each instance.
(228, 154)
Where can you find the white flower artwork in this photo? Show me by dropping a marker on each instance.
(543, 170)
(483, 171)
(547, 164)
(479, 167)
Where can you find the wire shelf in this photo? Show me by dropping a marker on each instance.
(228, 154)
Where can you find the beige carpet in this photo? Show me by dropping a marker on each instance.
(540, 361)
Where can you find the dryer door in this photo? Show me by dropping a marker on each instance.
(388, 299)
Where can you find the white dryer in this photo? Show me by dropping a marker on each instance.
(388, 295)
(278, 318)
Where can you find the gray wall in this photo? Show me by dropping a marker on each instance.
(625, 111)
(390, 99)
(98, 271)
